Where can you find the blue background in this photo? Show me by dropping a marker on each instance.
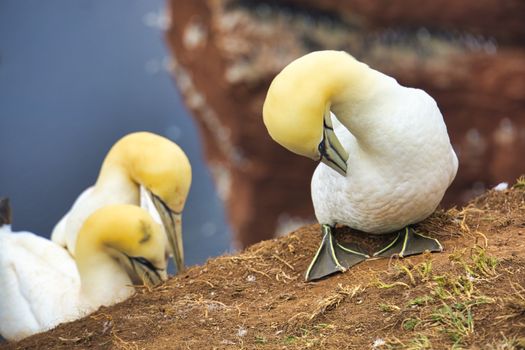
(75, 76)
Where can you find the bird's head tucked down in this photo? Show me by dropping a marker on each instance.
(297, 107)
(129, 235)
(155, 162)
(163, 169)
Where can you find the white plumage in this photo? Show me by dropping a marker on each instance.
(58, 235)
(38, 281)
(116, 192)
(400, 162)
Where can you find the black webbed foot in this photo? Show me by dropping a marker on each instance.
(332, 257)
(407, 243)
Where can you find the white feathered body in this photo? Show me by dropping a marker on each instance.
(400, 162)
(39, 284)
(116, 190)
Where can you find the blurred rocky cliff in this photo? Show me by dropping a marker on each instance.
(469, 55)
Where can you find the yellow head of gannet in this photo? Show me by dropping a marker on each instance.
(296, 111)
(163, 169)
(127, 234)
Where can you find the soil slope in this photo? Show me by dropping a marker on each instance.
(470, 296)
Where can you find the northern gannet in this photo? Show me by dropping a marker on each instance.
(42, 286)
(138, 162)
(386, 157)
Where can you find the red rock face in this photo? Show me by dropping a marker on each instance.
(468, 55)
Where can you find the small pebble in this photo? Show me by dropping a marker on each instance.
(251, 278)
(378, 342)
(241, 332)
(501, 186)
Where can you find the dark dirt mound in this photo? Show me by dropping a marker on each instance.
(472, 295)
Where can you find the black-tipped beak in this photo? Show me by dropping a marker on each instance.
(172, 223)
(144, 272)
(332, 152)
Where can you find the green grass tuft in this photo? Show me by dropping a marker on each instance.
(260, 340)
(290, 339)
(389, 307)
(409, 324)
(422, 300)
(520, 183)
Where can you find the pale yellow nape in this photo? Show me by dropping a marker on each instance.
(301, 94)
(154, 162)
(125, 228)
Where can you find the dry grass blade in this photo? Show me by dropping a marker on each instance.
(508, 343)
(333, 300)
(516, 307)
(190, 302)
(324, 305)
(84, 336)
(284, 262)
(463, 215)
(120, 343)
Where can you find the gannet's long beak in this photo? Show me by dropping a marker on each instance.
(332, 152)
(142, 271)
(172, 223)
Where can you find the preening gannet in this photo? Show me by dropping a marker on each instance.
(140, 160)
(386, 158)
(41, 286)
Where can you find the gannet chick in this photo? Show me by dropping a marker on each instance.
(138, 160)
(42, 286)
(386, 157)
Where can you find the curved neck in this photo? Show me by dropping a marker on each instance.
(103, 280)
(133, 153)
(350, 82)
(116, 169)
(354, 90)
